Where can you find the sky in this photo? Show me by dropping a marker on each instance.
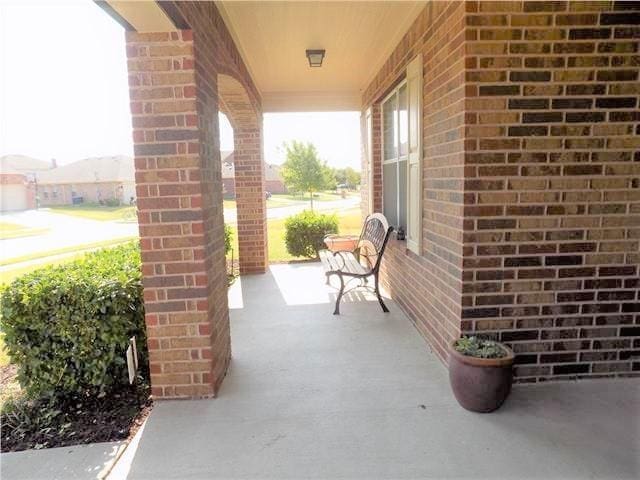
(64, 93)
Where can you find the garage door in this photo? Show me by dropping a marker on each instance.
(13, 197)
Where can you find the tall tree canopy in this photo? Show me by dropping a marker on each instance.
(303, 171)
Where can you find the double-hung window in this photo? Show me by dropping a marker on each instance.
(401, 156)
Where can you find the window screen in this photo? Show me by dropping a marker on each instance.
(390, 192)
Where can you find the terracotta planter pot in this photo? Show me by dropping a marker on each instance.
(480, 384)
(345, 242)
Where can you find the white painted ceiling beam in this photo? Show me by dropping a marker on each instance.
(142, 16)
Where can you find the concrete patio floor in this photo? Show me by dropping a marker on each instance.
(312, 395)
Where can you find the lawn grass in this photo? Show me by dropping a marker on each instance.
(97, 212)
(9, 275)
(287, 199)
(13, 230)
(350, 223)
(328, 196)
(61, 251)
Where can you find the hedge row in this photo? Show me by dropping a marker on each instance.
(67, 327)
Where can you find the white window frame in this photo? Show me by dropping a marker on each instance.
(415, 112)
(413, 83)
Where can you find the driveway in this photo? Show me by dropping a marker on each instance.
(64, 231)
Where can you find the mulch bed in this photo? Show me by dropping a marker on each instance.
(37, 424)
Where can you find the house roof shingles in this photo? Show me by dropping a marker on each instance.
(271, 171)
(118, 168)
(21, 164)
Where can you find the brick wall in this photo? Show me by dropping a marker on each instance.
(433, 303)
(90, 192)
(376, 156)
(275, 186)
(531, 180)
(552, 221)
(12, 179)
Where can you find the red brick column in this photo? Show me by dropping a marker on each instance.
(174, 115)
(250, 200)
(376, 156)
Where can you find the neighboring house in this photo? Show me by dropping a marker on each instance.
(18, 176)
(91, 180)
(228, 174)
(272, 178)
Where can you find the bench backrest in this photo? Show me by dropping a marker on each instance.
(373, 239)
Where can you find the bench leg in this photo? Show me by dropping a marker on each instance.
(384, 307)
(340, 293)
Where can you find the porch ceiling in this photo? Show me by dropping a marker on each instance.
(140, 16)
(357, 36)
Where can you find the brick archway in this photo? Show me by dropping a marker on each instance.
(235, 103)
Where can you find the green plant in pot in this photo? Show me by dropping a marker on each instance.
(480, 372)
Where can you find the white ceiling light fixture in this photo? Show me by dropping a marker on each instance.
(315, 57)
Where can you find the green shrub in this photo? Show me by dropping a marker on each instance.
(304, 232)
(228, 238)
(67, 327)
(479, 348)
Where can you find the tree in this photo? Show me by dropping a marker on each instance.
(353, 177)
(303, 171)
(347, 176)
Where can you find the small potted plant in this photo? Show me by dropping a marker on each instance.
(480, 372)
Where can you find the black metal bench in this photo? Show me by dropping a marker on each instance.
(349, 264)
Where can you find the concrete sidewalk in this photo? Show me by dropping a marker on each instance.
(79, 462)
(313, 395)
(64, 231)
